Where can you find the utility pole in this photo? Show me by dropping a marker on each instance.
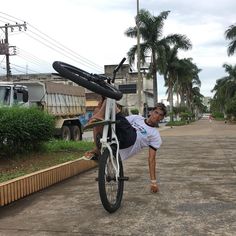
(138, 61)
(6, 46)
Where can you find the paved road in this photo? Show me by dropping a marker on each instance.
(197, 176)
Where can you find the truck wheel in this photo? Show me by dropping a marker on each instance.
(75, 133)
(65, 133)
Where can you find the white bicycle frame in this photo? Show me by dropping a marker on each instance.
(110, 115)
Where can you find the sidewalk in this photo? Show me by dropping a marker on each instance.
(197, 176)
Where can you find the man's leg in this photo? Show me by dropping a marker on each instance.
(99, 114)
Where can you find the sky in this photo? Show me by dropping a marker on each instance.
(90, 34)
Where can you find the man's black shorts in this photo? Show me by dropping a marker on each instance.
(125, 132)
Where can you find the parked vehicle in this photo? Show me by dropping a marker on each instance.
(65, 102)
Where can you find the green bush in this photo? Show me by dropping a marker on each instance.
(176, 123)
(185, 116)
(134, 111)
(23, 129)
(218, 114)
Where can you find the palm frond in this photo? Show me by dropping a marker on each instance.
(230, 33)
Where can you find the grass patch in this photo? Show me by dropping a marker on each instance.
(177, 123)
(61, 145)
(51, 153)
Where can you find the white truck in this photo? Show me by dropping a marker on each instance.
(65, 102)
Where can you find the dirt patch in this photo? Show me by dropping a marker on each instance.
(15, 167)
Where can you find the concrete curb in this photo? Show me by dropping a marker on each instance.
(20, 187)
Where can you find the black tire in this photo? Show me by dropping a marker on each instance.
(110, 190)
(65, 133)
(87, 80)
(75, 133)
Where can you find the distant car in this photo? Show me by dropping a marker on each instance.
(163, 121)
(205, 116)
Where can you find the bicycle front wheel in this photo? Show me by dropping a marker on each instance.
(110, 189)
(87, 80)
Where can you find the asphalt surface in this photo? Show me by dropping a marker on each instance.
(197, 178)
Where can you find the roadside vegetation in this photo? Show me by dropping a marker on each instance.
(23, 129)
(223, 104)
(27, 143)
(49, 154)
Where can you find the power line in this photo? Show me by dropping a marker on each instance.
(15, 19)
(3, 60)
(21, 67)
(30, 56)
(57, 50)
(55, 45)
(64, 48)
(5, 44)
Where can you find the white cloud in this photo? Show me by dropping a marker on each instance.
(95, 30)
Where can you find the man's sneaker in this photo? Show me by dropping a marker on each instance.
(90, 156)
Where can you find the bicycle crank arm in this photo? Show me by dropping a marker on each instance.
(123, 178)
(120, 178)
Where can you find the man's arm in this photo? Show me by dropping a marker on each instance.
(152, 169)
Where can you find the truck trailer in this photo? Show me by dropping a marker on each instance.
(65, 102)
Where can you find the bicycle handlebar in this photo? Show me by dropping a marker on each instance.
(117, 68)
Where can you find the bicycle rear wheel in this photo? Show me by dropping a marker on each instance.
(110, 190)
(87, 80)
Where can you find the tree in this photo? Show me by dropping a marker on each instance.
(231, 107)
(152, 41)
(169, 65)
(225, 89)
(187, 79)
(230, 34)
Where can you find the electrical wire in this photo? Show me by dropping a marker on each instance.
(64, 48)
(21, 67)
(51, 43)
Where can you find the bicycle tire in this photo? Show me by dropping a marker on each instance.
(87, 80)
(111, 204)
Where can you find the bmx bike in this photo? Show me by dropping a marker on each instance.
(110, 172)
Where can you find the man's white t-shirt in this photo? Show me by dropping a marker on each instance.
(146, 136)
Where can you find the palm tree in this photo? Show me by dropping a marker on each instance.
(169, 65)
(225, 88)
(230, 34)
(219, 99)
(188, 78)
(152, 42)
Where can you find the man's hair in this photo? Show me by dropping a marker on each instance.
(162, 107)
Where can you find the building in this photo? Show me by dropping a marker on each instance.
(125, 79)
(206, 102)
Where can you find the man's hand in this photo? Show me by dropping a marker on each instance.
(154, 187)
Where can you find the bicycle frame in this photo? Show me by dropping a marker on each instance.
(110, 115)
(110, 175)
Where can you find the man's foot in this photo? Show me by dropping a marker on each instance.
(93, 122)
(95, 119)
(91, 155)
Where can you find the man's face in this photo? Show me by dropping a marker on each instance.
(156, 115)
